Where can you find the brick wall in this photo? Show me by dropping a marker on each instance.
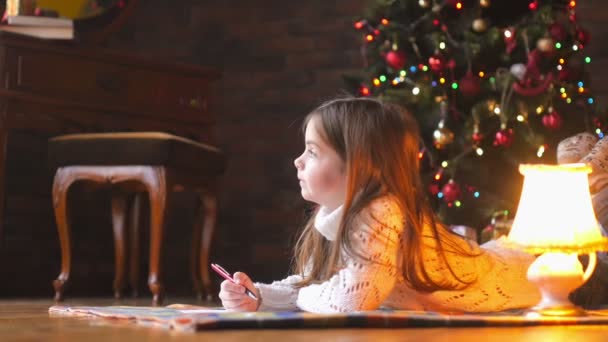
(280, 59)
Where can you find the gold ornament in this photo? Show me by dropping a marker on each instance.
(480, 25)
(442, 136)
(424, 3)
(545, 44)
(484, 3)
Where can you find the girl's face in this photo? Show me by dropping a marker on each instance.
(321, 171)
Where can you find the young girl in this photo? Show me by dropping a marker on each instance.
(373, 240)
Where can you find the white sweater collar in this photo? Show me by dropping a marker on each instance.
(328, 222)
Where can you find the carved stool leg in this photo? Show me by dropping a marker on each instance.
(119, 206)
(61, 184)
(135, 213)
(209, 212)
(156, 184)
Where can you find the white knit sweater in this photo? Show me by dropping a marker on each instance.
(497, 274)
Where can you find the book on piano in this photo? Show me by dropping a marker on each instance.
(40, 27)
(31, 20)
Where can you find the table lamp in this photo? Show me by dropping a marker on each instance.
(555, 219)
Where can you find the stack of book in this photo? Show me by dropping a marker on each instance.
(40, 27)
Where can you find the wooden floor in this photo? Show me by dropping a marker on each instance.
(28, 320)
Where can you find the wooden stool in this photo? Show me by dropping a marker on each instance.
(132, 164)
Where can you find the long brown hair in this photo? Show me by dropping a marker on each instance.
(379, 143)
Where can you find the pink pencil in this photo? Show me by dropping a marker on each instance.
(221, 271)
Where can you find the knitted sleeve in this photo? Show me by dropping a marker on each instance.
(362, 283)
(279, 295)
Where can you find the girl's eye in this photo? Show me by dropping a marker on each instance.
(311, 152)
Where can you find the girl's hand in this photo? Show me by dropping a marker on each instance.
(233, 296)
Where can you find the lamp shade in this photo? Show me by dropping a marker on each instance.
(555, 213)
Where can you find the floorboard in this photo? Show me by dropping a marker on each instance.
(28, 320)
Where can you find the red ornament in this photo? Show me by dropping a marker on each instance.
(535, 57)
(583, 36)
(451, 64)
(364, 91)
(597, 122)
(504, 137)
(470, 85)
(434, 189)
(436, 63)
(533, 82)
(477, 138)
(558, 32)
(451, 191)
(552, 120)
(395, 59)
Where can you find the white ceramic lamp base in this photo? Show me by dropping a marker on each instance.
(557, 275)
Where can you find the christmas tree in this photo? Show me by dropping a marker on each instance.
(492, 83)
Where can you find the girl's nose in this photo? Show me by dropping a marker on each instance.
(298, 163)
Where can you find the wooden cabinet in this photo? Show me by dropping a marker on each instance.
(151, 91)
(60, 88)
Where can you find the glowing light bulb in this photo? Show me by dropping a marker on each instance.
(540, 151)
